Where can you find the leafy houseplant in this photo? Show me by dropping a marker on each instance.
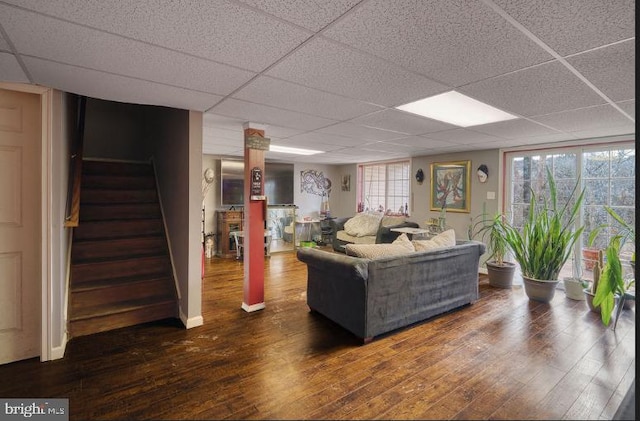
(611, 285)
(546, 241)
(626, 232)
(492, 231)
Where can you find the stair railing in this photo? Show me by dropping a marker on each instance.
(72, 216)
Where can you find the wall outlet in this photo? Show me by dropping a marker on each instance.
(491, 195)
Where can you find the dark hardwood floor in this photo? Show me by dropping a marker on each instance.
(504, 357)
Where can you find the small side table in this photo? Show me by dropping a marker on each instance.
(411, 231)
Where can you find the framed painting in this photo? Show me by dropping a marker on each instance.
(451, 186)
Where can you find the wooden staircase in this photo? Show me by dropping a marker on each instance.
(121, 271)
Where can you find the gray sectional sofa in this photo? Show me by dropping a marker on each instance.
(370, 297)
(382, 235)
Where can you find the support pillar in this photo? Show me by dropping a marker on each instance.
(255, 209)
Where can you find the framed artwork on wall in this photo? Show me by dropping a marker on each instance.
(451, 186)
(346, 182)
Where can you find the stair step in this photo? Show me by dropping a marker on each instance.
(110, 196)
(93, 271)
(93, 230)
(107, 292)
(84, 251)
(122, 315)
(103, 212)
(116, 168)
(118, 182)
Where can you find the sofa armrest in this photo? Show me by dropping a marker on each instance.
(337, 224)
(385, 235)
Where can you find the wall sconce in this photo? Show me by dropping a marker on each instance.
(483, 173)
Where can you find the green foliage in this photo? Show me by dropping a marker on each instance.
(546, 241)
(626, 231)
(611, 281)
(492, 232)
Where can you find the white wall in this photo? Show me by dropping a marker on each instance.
(309, 204)
(343, 203)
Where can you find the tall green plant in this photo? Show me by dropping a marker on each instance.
(626, 231)
(492, 231)
(546, 241)
(611, 283)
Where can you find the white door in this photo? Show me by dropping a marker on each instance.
(20, 235)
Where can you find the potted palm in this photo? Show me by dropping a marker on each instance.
(492, 232)
(545, 242)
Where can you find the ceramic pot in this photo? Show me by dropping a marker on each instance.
(501, 276)
(589, 299)
(540, 290)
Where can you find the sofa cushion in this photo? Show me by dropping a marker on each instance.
(404, 241)
(444, 239)
(367, 239)
(389, 221)
(363, 224)
(374, 251)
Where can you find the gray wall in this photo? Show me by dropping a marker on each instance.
(343, 203)
(175, 140)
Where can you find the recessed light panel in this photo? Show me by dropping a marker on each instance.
(295, 151)
(455, 108)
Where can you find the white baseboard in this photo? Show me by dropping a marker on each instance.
(191, 322)
(253, 307)
(58, 352)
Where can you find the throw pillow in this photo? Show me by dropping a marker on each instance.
(404, 241)
(363, 224)
(389, 221)
(374, 251)
(444, 239)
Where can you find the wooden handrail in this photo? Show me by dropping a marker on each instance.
(72, 218)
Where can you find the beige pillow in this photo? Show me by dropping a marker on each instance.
(374, 251)
(404, 241)
(444, 239)
(363, 224)
(389, 221)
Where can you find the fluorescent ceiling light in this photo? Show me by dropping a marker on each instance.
(296, 151)
(454, 108)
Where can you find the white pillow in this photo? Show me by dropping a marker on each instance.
(363, 224)
(404, 241)
(374, 251)
(444, 239)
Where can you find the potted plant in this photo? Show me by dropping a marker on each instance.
(625, 231)
(611, 287)
(492, 232)
(545, 242)
(575, 284)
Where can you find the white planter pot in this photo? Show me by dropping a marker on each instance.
(573, 289)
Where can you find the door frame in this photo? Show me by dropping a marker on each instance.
(46, 264)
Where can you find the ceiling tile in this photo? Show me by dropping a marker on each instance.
(10, 69)
(462, 136)
(570, 26)
(543, 89)
(419, 142)
(332, 67)
(327, 138)
(308, 144)
(115, 88)
(4, 46)
(290, 96)
(513, 129)
(400, 121)
(361, 132)
(611, 69)
(311, 14)
(629, 107)
(48, 38)
(599, 132)
(585, 119)
(219, 30)
(439, 38)
(269, 115)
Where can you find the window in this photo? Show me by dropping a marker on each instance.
(384, 187)
(606, 172)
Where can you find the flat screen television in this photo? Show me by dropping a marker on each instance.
(278, 183)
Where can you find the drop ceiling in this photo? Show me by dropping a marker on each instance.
(326, 75)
